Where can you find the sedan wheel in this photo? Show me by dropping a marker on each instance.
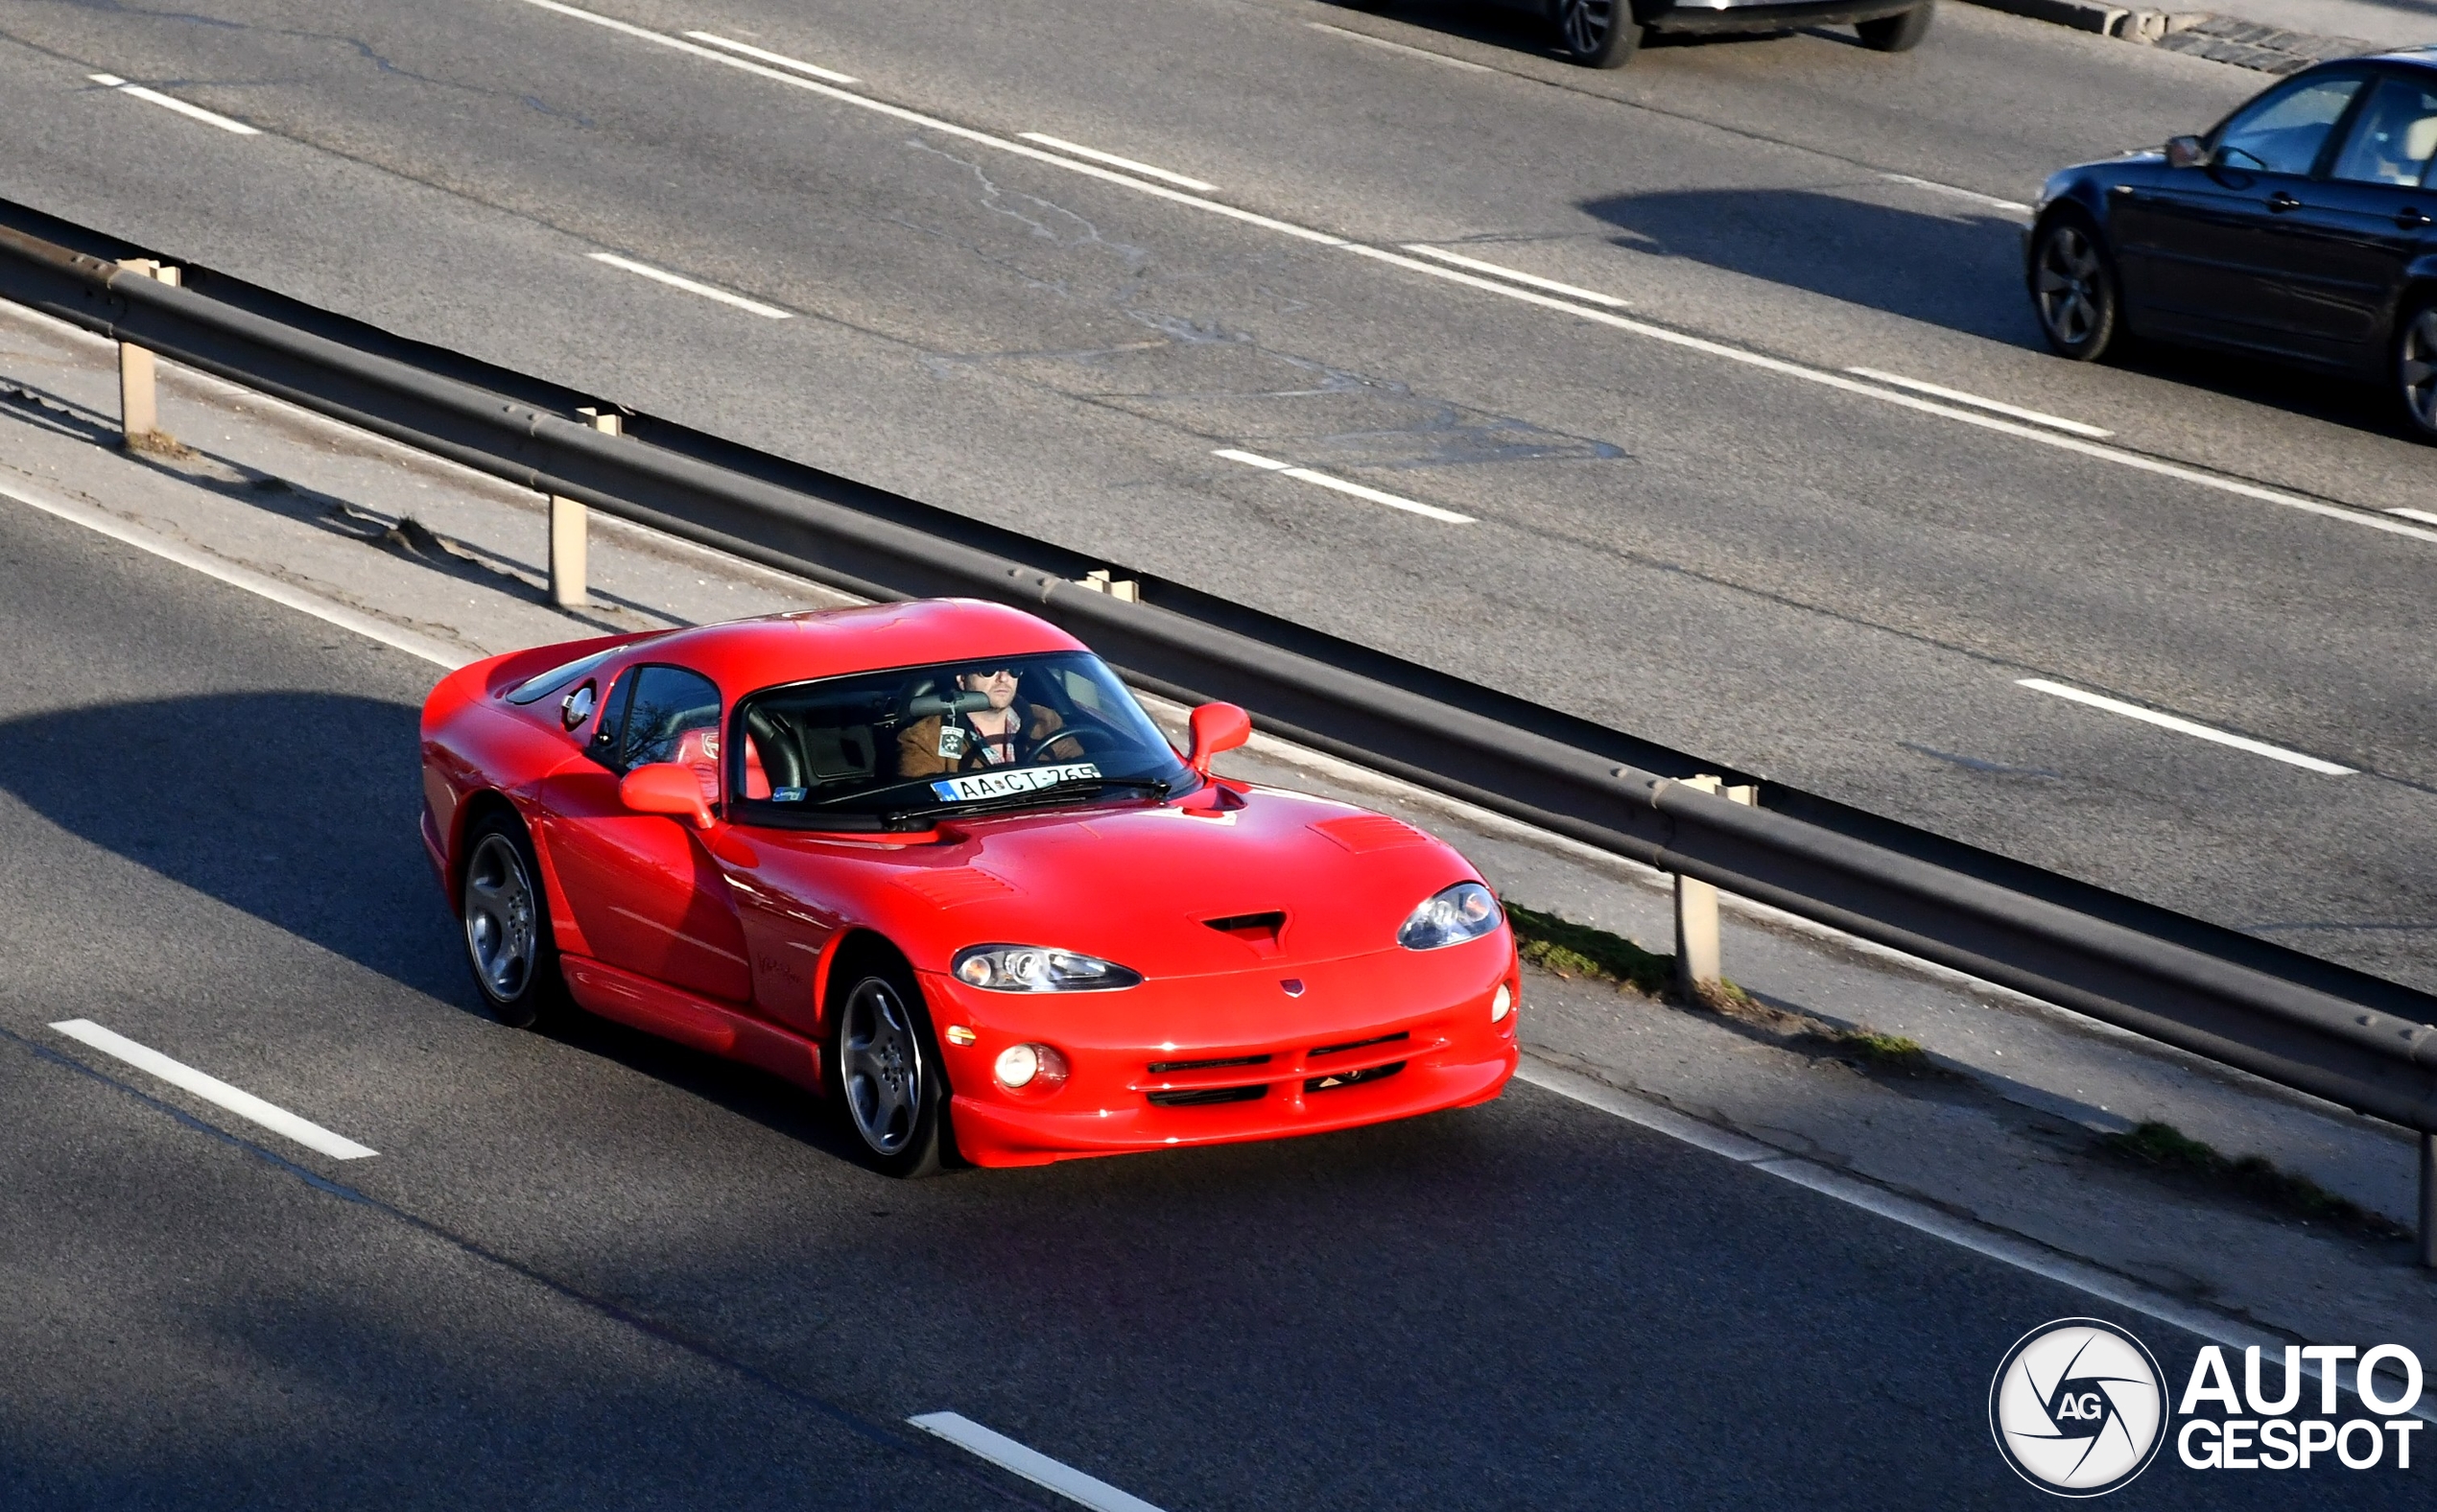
(2416, 370)
(508, 943)
(887, 1081)
(1598, 34)
(2073, 289)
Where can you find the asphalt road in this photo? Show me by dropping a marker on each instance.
(596, 1271)
(1821, 584)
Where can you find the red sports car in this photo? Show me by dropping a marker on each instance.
(933, 861)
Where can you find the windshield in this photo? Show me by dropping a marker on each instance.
(895, 749)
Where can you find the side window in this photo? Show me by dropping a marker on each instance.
(603, 747)
(671, 715)
(2395, 137)
(2283, 132)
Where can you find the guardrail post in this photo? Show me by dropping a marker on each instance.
(1698, 967)
(2429, 1200)
(1123, 589)
(139, 415)
(568, 589)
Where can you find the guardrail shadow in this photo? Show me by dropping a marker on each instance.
(298, 808)
(1960, 268)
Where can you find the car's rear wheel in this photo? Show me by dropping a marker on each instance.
(2074, 290)
(1598, 34)
(885, 1068)
(2416, 369)
(1901, 33)
(506, 917)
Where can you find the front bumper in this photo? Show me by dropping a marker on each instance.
(1371, 1039)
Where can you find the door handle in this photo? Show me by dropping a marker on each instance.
(2410, 219)
(2281, 202)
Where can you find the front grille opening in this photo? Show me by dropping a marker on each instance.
(1161, 1068)
(1375, 1039)
(1204, 1097)
(1353, 1078)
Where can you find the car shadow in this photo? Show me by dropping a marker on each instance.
(1518, 25)
(1960, 268)
(300, 809)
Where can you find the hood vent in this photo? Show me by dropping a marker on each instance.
(1260, 931)
(1365, 833)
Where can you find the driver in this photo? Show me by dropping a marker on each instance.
(993, 735)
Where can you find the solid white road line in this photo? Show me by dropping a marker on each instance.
(1399, 47)
(1535, 280)
(2035, 416)
(2040, 435)
(156, 97)
(2422, 515)
(1307, 475)
(1032, 1465)
(780, 59)
(1973, 195)
(257, 583)
(1115, 161)
(211, 1089)
(767, 312)
(2010, 1249)
(2181, 726)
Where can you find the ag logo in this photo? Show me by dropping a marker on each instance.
(2078, 1408)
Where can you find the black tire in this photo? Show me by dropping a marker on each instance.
(886, 1087)
(2075, 294)
(505, 916)
(1901, 33)
(1596, 34)
(2415, 368)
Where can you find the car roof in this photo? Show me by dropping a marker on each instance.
(743, 656)
(2419, 54)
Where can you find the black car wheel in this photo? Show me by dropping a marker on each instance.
(2416, 369)
(884, 1071)
(506, 917)
(1598, 34)
(2074, 288)
(1897, 33)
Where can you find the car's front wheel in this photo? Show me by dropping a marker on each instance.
(1900, 32)
(2074, 290)
(2416, 369)
(1598, 34)
(884, 1068)
(508, 940)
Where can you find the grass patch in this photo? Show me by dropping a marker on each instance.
(1894, 1051)
(1577, 949)
(2164, 1148)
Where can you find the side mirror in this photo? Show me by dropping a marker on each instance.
(664, 787)
(1216, 728)
(2186, 151)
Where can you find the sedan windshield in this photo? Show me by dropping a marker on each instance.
(896, 749)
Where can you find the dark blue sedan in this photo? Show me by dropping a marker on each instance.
(2304, 227)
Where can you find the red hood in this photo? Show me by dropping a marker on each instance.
(1135, 884)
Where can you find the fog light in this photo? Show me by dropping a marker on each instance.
(1501, 1005)
(958, 1034)
(1018, 1064)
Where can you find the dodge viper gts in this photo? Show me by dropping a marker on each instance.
(933, 862)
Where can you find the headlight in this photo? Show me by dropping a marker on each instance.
(1033, 968)
(1464, 911)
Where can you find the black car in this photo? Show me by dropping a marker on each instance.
(1605, 33)
(2302, 228)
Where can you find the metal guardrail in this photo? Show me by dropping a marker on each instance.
(2353, 1039)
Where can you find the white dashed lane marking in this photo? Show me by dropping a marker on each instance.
(211, 1089)
(1569, 290)
(1114, 161)
(815, 70)
(1358, 490)
(1030, 1463)
(2184, 726)
(1994, 406)
(173, 102)
(767, 312)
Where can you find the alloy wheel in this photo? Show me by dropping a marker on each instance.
(2416, 367)
(2068, 287)
(499, 917)
(1587, 24)
(879, 1064)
